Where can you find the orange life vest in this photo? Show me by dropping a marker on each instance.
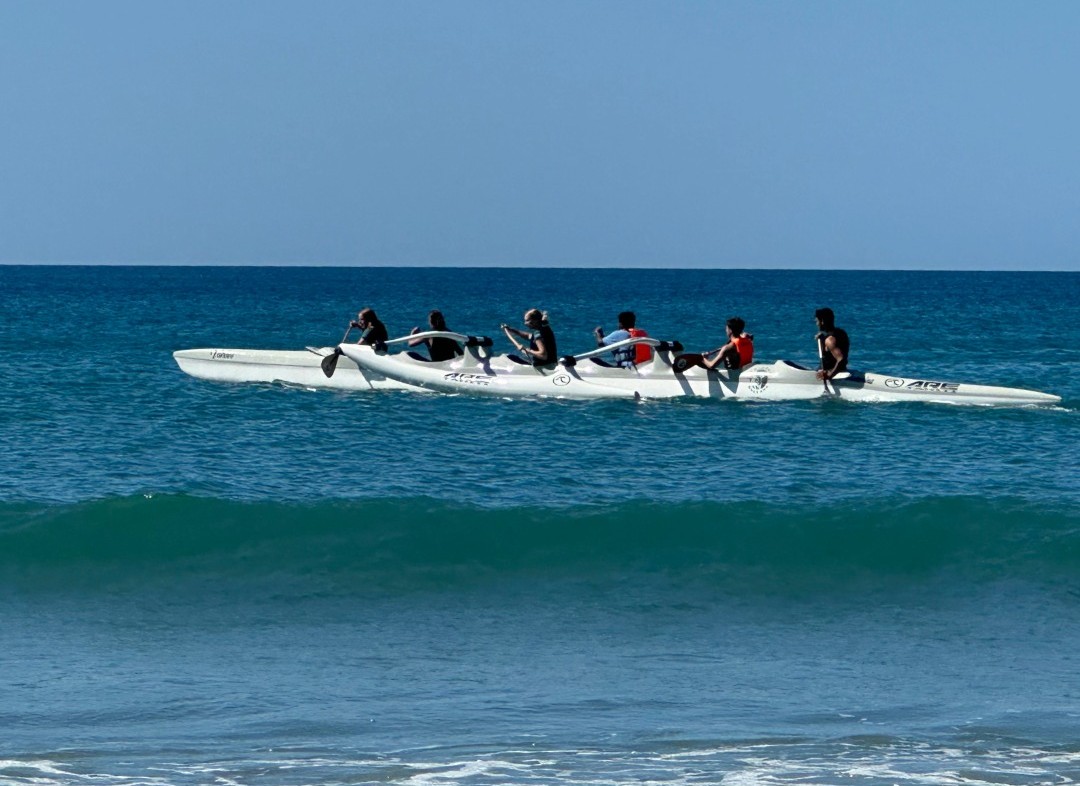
(745, 345)
(642, 352)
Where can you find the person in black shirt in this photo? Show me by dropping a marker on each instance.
(439, 348)
(834, 346)
(374, 331)
(541, 350)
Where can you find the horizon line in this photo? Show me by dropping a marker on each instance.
(317, 265)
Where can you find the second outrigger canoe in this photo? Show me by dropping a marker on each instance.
(668, 375)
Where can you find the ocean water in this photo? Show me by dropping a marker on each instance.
(204, 583)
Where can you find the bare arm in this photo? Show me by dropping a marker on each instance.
(509, 331)
(540, 351)
(711, 364)
(835, 351)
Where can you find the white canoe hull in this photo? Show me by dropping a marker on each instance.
(477, 373)
(292, 367)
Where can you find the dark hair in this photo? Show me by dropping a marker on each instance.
(826, 317)
(737, 325)
(535, 312)
(437, 320)
(627, 319)
(368, 315)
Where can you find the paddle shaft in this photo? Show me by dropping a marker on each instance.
(329, 363)
(821, 358)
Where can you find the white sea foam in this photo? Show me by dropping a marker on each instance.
(772, 763)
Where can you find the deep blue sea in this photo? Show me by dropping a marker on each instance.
(206, 583)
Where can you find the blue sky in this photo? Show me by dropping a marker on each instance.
(626, 134)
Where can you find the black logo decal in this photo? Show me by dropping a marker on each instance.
(467, 379)
(893, 382)
(933, 387)
(561, 379)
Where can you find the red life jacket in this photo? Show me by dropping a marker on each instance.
(642, 352)
(745, 345)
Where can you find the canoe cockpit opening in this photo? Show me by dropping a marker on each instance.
(669, 346)
(795, 365)
(518, 359)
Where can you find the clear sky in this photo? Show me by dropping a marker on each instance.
(630, 134)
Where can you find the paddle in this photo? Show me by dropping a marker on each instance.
(329, 363)
(821, 358)
(682, 363)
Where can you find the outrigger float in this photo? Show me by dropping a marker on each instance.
(301, 368)
(668, 375)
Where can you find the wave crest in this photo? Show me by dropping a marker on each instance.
(424, 539)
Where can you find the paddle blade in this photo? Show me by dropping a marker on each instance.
(329, 363)
(683, 362)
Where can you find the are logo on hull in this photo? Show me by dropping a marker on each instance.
(467, 379)
(934, 387)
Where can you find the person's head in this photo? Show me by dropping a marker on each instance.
(367, 316)
(534, 318)
(627, 319)
(825, 318)
(436, 320)
(735, 326)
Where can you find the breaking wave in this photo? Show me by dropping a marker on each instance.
(422, 541)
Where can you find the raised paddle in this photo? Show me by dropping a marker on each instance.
(329, 363)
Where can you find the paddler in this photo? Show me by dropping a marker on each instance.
(833, 345)
(737, 352)
(374, 331)
(440, 347)
(541, 350)
(625, 357)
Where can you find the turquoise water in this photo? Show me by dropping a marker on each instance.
(207, 583)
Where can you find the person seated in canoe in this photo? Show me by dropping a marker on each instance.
(738, 352)
(541, 350)
(440, 347)
(374, 331)
(834, 346)
(625, 357)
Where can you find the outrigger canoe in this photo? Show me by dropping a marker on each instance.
(668, 375)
